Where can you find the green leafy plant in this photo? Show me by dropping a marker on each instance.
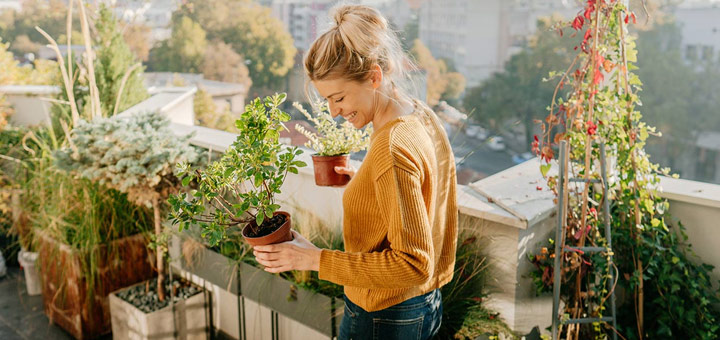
(332, 139)
(241, 186)
(652, 264)
(134, 155)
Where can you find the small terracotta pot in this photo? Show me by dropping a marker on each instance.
(325, 174)
(280, 235)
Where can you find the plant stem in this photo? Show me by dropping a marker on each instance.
(159, 250)
(629, 128)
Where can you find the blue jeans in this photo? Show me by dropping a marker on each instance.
(418, 318)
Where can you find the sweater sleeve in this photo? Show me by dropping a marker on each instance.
(407, 262)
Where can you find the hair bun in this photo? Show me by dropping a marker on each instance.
(340, 14)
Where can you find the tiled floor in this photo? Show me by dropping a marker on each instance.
(21, 316)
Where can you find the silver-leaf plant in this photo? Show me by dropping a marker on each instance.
(135, 155)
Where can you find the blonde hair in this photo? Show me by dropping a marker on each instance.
(359, 39)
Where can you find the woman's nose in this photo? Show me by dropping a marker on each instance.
(334, 112)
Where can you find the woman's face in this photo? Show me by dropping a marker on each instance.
(351, 99)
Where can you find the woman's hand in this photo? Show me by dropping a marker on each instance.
(349, 170)
(298, 254)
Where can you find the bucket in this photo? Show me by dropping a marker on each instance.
(27, 260)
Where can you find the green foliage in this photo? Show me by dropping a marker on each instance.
(222, 63)
(114, 59)
(208, 115)
(48, 15)
(678, 97)
(519, 92)
(252, 31)
(331, 139)
(670, 295)
(255, 160)
(43, 72)
(464, 313)
(467, 288)
(184, 51)
(135, 155)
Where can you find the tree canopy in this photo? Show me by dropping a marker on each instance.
(252, 32)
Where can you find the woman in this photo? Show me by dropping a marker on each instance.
(400, 208)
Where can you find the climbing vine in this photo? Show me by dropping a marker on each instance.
(665, 293)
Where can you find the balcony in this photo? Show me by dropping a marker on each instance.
(511, 211)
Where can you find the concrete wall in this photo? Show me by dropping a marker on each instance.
(28, 104)
(702, 230)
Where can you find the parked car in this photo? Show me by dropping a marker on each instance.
(476, 131)
(496, 143)
(522, 157)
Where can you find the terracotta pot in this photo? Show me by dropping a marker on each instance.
(325, 174)
(280, 235)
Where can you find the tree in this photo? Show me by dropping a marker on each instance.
(184, 51)
(436, 83)
(519, 92)
(410, 32)
(441, 84)
(678, 98)
(252, 31)
(454, 87)
(23, 45)
(221, 63)
(48, 15)
(44, 72)
(114, 60)
(137, 38)
(207, 115)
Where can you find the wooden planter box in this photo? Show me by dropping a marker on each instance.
(319, 312)
(67, 302)
(186, 320)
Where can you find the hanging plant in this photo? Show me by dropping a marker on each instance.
(668, 295)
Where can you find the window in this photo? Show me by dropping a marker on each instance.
(707, 52)
(691, 52)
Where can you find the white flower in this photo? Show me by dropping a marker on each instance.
(332, 139)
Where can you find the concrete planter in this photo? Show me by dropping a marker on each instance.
(319, 312)
(186, 319)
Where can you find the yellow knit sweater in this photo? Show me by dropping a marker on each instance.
(400, 216)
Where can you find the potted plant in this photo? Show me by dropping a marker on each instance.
(333, 144)
(298, 295)
(136, 155)
(239, 188)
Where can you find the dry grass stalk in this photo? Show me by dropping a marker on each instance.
(66, 77)
(122, 86)
(191, 252)
(89, 56)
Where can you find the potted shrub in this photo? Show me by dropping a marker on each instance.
(136, 155)
(333, 144)
(298, 295)
(239, 188)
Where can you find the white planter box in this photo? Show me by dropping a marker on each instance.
(190, 320)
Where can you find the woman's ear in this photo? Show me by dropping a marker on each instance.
(376, 76)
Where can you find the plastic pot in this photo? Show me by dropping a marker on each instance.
(27, 260)
(280, 235)
(325, 174)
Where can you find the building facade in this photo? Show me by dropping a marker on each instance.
(479, 36)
